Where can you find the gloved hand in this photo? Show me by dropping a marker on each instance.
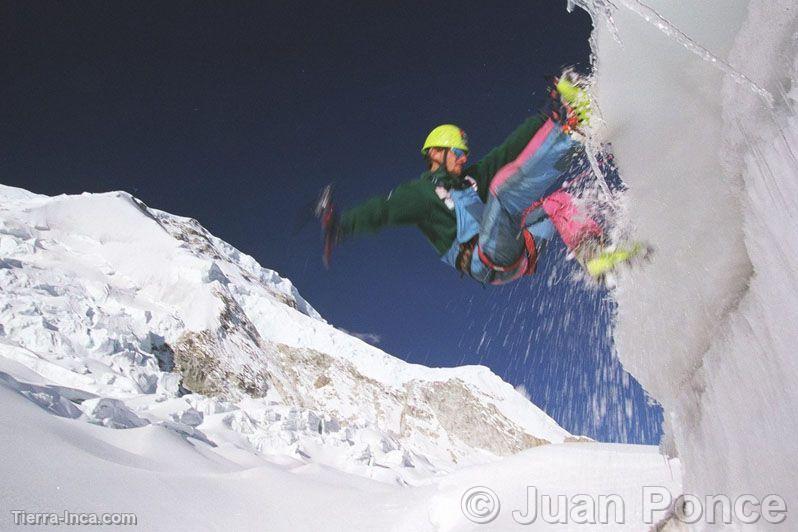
(328, 217)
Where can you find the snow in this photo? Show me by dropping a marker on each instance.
(709, 328)
(170, 482)
(112, 312)
(561, 470)
(174, 482)
(106, 295)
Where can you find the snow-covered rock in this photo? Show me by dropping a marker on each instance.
(161, 322)
(111, 413)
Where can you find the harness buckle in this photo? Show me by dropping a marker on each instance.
(463, 262)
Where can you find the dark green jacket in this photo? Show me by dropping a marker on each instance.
(417, 203)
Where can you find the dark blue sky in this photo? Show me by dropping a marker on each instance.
(237, 113)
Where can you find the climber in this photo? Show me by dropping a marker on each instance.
(488, 220)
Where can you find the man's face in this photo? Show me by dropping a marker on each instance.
(454, 162)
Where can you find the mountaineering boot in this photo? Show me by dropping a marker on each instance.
(600, 261)
(624, 253)
(572, 102)
(588, 249)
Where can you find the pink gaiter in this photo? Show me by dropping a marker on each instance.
(571, 224)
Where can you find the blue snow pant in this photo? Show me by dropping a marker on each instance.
(516, 188)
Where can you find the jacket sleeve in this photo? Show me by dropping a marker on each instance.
(506, 152)
(407, 204)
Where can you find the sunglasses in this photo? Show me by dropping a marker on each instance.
(458, 153)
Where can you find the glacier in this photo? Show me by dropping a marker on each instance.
(698, 102)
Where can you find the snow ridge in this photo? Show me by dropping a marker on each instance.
(126, 316)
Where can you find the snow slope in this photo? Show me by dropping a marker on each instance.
(710, 328)
(126, 309)
(173, 482)
(148, 367)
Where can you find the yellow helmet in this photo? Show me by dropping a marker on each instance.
(446, 136)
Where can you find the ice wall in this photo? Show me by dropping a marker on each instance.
(710, 328)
